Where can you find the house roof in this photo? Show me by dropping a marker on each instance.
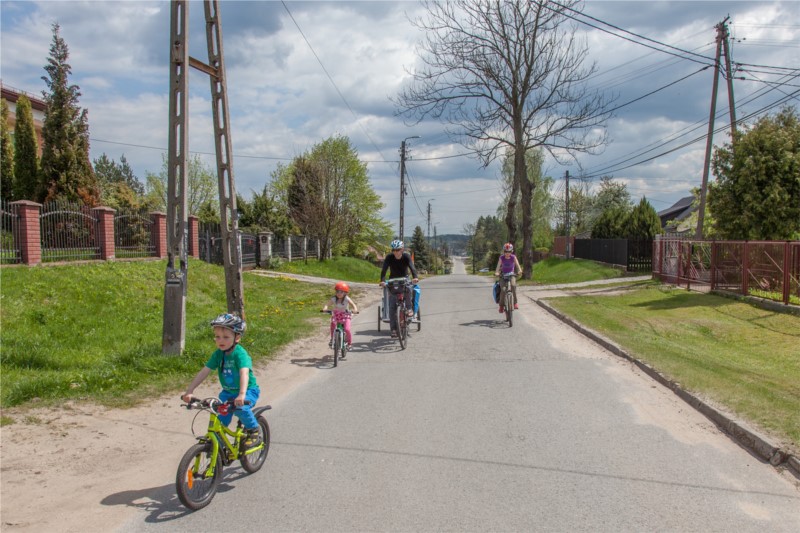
(678, 208)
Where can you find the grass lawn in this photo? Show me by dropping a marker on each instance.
(731, 352)
(342, 268)
(556, 270)
(94, 330)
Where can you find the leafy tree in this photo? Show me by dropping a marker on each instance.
(419, 247)
(642, 222)
(202, 186)
(119, 187)
(65, 168)
(581, 201)
(26, 152)
(757, 192)
(265, 212)
(6, 155)
(610, 195)
(508, 75)
(328, 196)
(542, 204)
(610, 224)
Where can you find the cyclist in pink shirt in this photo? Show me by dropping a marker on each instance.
(508, 264)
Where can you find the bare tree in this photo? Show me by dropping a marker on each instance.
(507, 74)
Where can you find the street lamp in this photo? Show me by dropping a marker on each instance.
(403, 181)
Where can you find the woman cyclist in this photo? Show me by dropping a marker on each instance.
(508, 264)
(398, 263)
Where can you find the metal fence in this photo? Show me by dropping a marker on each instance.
(635, 255)
(68, 232)
(767, 269)
(133, 233)
(9, 234)
(256, 246)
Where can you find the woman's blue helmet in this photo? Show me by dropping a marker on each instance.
(397, 245)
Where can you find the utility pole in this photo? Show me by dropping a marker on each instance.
(403, 183)
(174, 330)
(429, 220)
(731, 105)
(710, 138)
(566, 221)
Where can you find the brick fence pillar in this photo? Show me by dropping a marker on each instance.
(194, 239)
(29, 231)
(159, 233)
(105, 231)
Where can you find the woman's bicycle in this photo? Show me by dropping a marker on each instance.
(507, 296)
(404, 309)
(339, 335)
(200, 469)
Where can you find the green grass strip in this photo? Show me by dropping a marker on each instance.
(736, 354)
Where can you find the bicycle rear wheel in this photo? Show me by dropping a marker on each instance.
(253, 461)
(337, 346)
(195, 487)
(419, 319)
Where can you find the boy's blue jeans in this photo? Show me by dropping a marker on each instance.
(245, 412)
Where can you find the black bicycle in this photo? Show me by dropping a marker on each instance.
(404, 310)
(507, 296)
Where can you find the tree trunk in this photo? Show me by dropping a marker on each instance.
(511, 208)
(526, 188)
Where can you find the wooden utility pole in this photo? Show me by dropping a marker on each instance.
(710, 138)
(174, 329)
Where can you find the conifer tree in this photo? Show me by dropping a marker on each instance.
(643, 222)
(66, 170)
(6, 155)
(26, 152)
(419, 247)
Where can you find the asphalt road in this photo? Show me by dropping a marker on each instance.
(480, 427)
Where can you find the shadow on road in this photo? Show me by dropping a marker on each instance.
(162, 503)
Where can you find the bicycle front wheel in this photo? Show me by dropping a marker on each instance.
(337, 346)
(195, 484)
(253, 461)
(401, 326)
(509, 307)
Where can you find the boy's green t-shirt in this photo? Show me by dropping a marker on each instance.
(228, 366)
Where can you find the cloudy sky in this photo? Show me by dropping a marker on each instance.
(300, 72)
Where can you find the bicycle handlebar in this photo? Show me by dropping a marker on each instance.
(211, 403)
(330, 311)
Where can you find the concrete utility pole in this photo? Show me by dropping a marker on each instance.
(729, 75)
(721, 28)
(403, 184)
(174, 330)
(429, 219)
(567, 221)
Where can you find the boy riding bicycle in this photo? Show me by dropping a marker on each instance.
(508, 264)
(398, 263)
(235, 371)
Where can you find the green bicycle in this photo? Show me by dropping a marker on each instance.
(200, 469)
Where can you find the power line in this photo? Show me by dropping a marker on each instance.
(346, 103)
(706, 60)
